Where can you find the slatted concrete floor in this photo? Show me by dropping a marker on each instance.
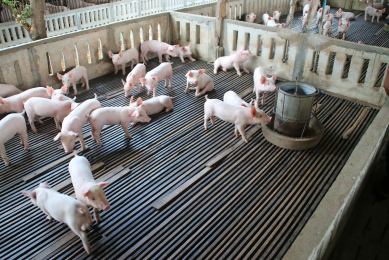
(251, 204)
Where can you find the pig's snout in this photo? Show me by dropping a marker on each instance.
(195, 81)
(106, 207)
(268, 119)
(148, 119)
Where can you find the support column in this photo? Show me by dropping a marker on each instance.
(220, 15)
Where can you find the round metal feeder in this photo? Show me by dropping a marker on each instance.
(294, 126)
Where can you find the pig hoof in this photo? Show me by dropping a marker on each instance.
(129, 136)
(224, 69)
(6, 163)
(49, 218)
(245, 140)
(26, 148)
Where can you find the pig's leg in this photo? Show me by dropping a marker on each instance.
(24, 137)
(116, 69)
(81, 138)
(372, 18)
(143, 56)
(182, 59)
(190, 57)
(216, 66)
(31, 121)
(81, 234)
(85, 76)
(4, 155)
(138, 85)
(133, 123)
(206, 118)
(187, 88)
(202, 92)
(155, 91)
(344, 36)
(264, 98)
(57, 124)
(213, 120)
(167, 58)
(236, 131)
(38, 119)
(244, 68)
(236, 66)
(170, 76)
(132, 63)
(124, 69)
(125, 129)
(243, 133)
(96, 213)
(74, 88)
(159, 57)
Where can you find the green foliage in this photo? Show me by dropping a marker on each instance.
(20, 14)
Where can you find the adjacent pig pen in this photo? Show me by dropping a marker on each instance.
(178, 191)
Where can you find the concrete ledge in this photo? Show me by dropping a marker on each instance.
(320, 232)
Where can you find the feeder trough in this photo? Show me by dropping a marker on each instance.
(294, 125)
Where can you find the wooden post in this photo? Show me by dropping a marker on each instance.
(220, 15)
(386, 81)
(38, 22)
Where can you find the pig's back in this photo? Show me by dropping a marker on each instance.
(231, 98)
(15, 120)
(161, 70)
(220, 109)
(85, 108)
(153, 106)
(7, 90)
(79, 169)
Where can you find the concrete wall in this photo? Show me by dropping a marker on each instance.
(206, 10)
(32, 57)
(353, 4)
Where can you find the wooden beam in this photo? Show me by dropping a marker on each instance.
(220, 15)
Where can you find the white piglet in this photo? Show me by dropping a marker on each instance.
(346, 15)
(184, 51)
(250, 17)
(343, 28)
(230, 97)
(154, 76)
(88, 191)
(161, 48)
(73, 76)
(133, 78)
(7, 90)
(122, 58)
(238, 115)
(153, 105)
(15, 103)
(235, 60)
(62, 208)
(263, 84)
(373, 13)
(115, 116)
(58, 94)
(9, 126)
(327, 28)
(266, 18)
(36, 107)
(72, 124)
(202, 82)
(276, 16)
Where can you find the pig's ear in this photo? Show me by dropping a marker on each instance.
(60, 98)
(142, 80)
(340, 22)
(49, 90)
(139, 101)
(255, 16)
(340, 10)
(120, 54)
(243, 105)
(124, 83)
(190, 45)
(110, 54)
(102, 184)
(383, 10)
(71, 74)
(59, 76)
(135, 113)
(348, 24)
(64, 89)
(155, 78)
(248, 16)
(302, 18)
(85, 191)
(376, 10)
(189, 74)
(30, 194)
(252, 112)
(274, 13)
(263, 79)
(306, 12)
(74, 105)
(171, 48)
(44, 185)
(57, 136)
(177, 45)
(201, 72)
(274, 78)
(182, 48)
(72, 133)
(131, 84)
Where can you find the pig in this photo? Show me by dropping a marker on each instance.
(230, 97)
(62, 208)
(37, 106)
(87, 190)
(58, 94)
(328, 17)
(124, 57)
(7, 90)
(15, 103)
(305, 21)
(73, 123)
(9, 126)
(266, 18)
(250, 17)
(378, 5)
(74, 76)
(238, 115)
(306, 10)
(184, 51)
(276, 16)
(360, 42)
(153, 105)
(115, 116)
(272, 23)
(346, 15)
(343, 27)
(373, 12)
(200, 81)
(262, 84)
(161, 48)
(318, 16)
(235, 60)
(132, 79)
(327, 28)
(327, 9)
(163, 71)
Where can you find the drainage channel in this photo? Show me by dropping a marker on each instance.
(250, 204)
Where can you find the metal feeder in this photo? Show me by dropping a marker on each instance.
(294, 125)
